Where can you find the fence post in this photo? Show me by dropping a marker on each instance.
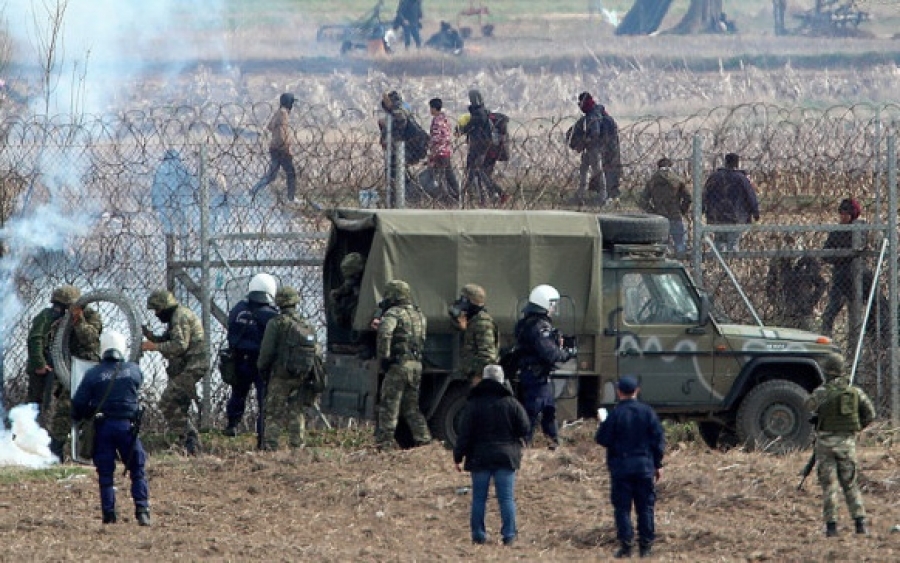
(697, 179)
(400, 177)
(892, 280)
(388, 157)
(205, 296)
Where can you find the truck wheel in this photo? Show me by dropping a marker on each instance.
(446, 417)
(634, 228)
(773, 418)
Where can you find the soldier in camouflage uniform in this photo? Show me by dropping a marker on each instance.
(183, 346)
(400, 343)
(480, 336)
(345, 297)
(287, 396)
(841, 410)
(43, 387)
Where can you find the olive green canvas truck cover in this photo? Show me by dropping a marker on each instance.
(506, 252)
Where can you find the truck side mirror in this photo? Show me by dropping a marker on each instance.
(704, 309)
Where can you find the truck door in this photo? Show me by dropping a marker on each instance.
(659, 338)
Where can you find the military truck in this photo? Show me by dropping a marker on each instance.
(631, 310)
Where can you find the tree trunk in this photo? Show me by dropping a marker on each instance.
(702, 16)
(644, 17)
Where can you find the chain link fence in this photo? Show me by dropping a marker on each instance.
(114, 202)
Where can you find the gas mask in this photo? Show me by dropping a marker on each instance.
(458, 307)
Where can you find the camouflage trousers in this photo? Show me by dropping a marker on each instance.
(400, 397)
(55, 415)
(176, 400)
(836, 456)
(286, 401)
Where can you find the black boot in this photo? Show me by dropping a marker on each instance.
(861, 525)
(192, 444)
(58, 448)
(624, 551)
(830, 529)
(142, 515)
(646, 549)
(110, 517)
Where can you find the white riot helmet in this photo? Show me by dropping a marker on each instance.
(262, 288)
(544, 296)
(113, 346)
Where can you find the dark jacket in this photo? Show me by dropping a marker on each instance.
(729, 198)
(633, 438)
(478, 129)
(537, 343)
(491, 429)
(116, 398)
(247, 324)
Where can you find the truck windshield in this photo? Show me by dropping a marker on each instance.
(658, 298)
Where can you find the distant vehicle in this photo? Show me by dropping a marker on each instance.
(626, 307)
(359, 34)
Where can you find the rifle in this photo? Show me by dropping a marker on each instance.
(807, 469)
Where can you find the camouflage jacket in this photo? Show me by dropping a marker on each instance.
(344, 300)
(84, 342)
(818, 397)
(183, 343)
(666, 194)
(401, 334)
(479, 344)
(274, 339)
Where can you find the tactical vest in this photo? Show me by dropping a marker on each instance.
(839, 412)
(408, 340)
(298, 353)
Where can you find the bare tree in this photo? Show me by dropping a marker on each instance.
(49, 44)
(702, 15)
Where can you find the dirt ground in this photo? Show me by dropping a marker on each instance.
(354, 504)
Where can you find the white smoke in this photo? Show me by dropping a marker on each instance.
(25, 443)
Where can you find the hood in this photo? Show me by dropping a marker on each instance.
(773, 333)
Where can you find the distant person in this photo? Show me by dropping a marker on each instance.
(666, 193)
(584, 138)
(246, 325)
(730, 199)
(447, 40)
(480, 335)
(840, 410)
(635, 444)
(175, 196)
(795, 287)
(280, 155)
(491, 433)
(409, 17)
(779, 7)
(440, 152)
(406, 130)
(109, 396)
(478, 131)
(44, 388)
(183, 345)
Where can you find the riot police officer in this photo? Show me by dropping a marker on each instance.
(400, 343)
(109, 394)
(246, 326)
(540, 349)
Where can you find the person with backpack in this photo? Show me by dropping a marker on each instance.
(109, 396)
(246, 325)
(840, 410)
(290, 363)
(478, 131)
(404, 129)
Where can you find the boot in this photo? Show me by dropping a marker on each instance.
(110, 517)
(861, 525)
(192, 445)
(142, 515)
(231, 430)
(646, 549)
(624, 551)
(58, 448)
(830, 529)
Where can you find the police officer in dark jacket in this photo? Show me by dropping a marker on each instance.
(109, 394)
(492, 427)
(540, 349)
(246, 326)
(635, 443)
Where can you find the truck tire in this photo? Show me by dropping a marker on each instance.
(59, 349)
(446, 417)
(773, 418)
(633, 228)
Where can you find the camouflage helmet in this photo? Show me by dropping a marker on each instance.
(65, 295)
(287, 296)
(832, 366)
(474, 293)
(397, 291)
(352, 264)
(161, 299)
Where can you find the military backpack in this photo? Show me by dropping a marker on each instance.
(297, 358)
(839, 412)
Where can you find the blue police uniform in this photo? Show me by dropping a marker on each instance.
(246, 326)
(109, 393)
(634, 442)
(539, 351)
